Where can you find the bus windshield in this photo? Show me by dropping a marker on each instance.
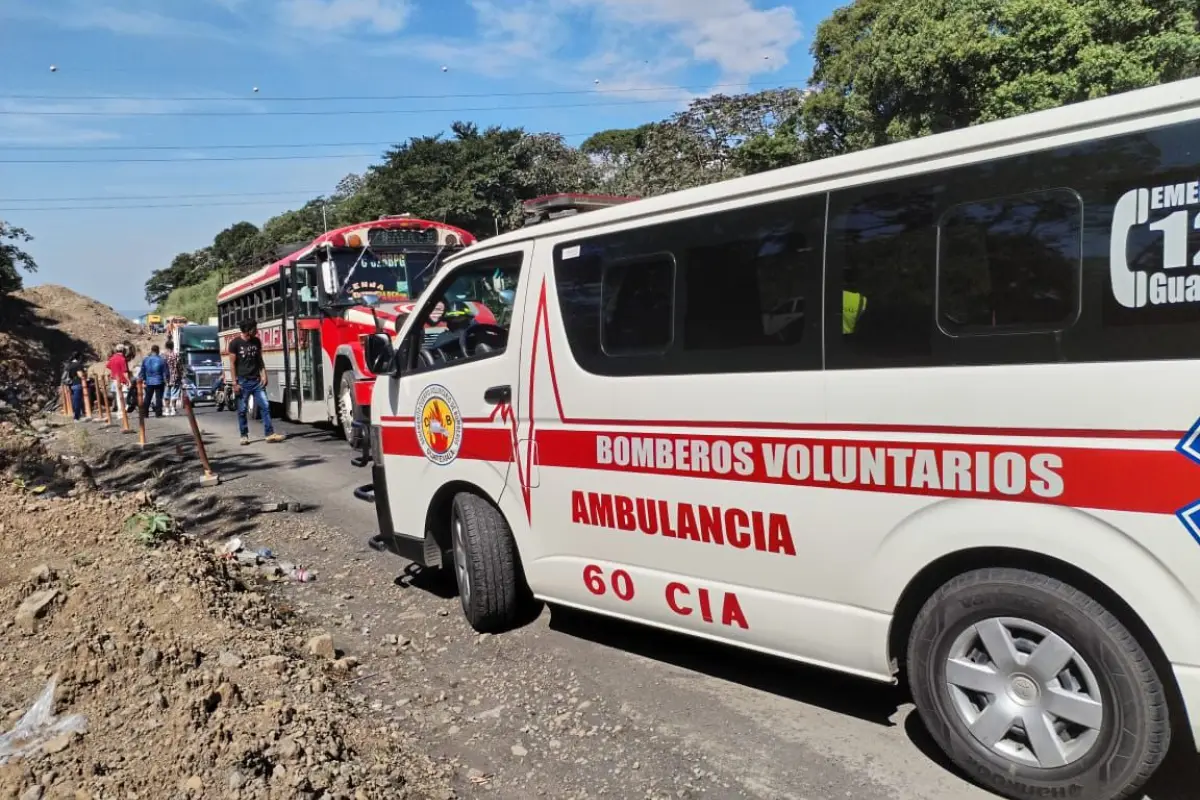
(394, 276)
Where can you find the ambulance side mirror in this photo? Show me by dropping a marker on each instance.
(380, 355)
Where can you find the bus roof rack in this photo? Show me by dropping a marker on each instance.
(405, 215)
(555, 206)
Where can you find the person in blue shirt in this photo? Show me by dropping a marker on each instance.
(154, 375)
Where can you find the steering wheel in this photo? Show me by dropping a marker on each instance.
(488, 339)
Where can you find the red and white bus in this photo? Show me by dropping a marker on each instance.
(310, 309)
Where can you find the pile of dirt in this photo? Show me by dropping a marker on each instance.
(191, 679)
(40, 328)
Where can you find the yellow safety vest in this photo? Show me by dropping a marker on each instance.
(853, 305)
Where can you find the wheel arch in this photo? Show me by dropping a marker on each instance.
(437, 516)
(343, 360)
(939, 572)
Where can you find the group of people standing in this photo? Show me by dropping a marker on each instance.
(161, 375)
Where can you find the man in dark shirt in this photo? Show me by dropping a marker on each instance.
(73, 376)
(154, 377)
(251, 376)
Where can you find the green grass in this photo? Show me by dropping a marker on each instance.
(197, 303)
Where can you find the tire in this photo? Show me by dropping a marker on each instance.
(491, 587)
(1113, 752)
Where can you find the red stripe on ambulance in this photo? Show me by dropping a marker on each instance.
(1154, 481)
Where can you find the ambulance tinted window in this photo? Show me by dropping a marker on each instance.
(744, 295)
(1010, 263)
(637, 301)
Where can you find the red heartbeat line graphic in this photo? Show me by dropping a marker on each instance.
(504, 412)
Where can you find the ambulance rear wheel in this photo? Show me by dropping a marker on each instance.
(1033, 688)
(491, 586)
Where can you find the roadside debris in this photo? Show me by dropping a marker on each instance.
(265, 561)
(40, 729)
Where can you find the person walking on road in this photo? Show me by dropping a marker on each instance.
(118, 367)
(251, 375)
(153, 375)
(174, 378)
(73, 377)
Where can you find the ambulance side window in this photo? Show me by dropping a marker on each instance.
(727, 292)
(467, 318)
(637, 298)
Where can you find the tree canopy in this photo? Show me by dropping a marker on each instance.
(887, 70)
(12, 257)
(884, 70)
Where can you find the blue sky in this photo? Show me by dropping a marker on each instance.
(153, 56)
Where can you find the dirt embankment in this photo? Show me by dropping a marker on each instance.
(169, 670)
(191, 679)
(40, 328)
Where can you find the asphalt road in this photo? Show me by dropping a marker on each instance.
(572, 705)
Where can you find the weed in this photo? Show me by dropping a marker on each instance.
(21, 485)
(150, 527)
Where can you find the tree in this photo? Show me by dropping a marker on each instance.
(12, 257)
(349, 186)
(616, 142)
(887, 70)
(236, 250)
(476, 179)
(183, 270)
(767, 151)
(545, 164)
(698, 146)
(303, 224)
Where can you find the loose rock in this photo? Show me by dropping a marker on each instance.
(34, 608)
(322, 646)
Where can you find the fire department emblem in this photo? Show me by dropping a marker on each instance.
(439, 425)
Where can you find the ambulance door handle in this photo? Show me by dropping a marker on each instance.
(498, 395)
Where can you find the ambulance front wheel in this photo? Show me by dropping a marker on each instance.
(491, 584)
(1033, 688)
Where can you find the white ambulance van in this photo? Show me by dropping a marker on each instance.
(926, 412)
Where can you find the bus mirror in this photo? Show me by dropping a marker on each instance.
(507, 296)
(380, 354)
(370, 300)
(329, 278)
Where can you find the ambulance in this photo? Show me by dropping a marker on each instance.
(923, 413)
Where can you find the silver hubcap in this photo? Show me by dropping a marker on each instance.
(347, 403)
(1024, 692)
(460, 562)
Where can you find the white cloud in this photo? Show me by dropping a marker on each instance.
(121, 17)
(732, 34)
(374, 16)
(629, 46)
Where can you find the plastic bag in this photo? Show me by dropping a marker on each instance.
(38, 726)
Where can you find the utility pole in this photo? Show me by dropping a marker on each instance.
(324, 219)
